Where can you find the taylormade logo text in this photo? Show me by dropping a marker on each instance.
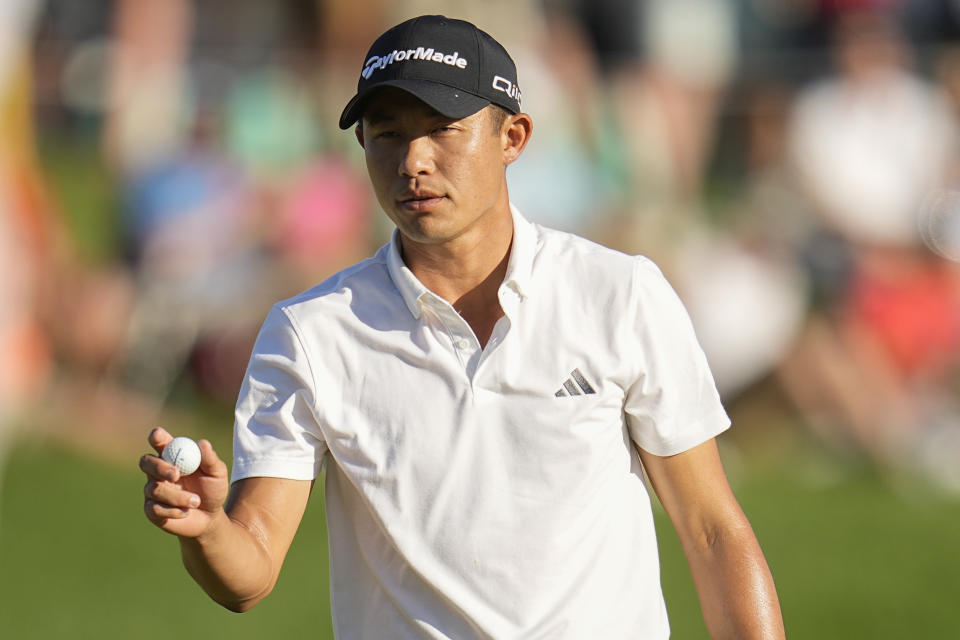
(420, 53)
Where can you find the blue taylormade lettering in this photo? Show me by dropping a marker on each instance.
(502, 84)
(420, 53)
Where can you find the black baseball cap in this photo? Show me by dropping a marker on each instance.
(449, 64)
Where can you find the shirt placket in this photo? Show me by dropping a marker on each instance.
(459, 335)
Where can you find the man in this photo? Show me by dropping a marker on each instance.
(483, 393)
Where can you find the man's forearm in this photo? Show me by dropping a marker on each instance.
(231, 563)
(233, 538)
(735, 586)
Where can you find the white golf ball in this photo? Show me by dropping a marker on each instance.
(183, 453)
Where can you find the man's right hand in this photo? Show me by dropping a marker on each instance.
(183, 505)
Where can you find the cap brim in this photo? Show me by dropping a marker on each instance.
(447, 100)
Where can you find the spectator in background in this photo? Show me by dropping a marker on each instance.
(670, 86)
(667, 91)
(26, 233)
(870, 144)
(59, 313)
(231, 198)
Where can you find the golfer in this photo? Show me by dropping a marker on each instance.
(483, 397)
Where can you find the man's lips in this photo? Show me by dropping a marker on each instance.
(420, 201)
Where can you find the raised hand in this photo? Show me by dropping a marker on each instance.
(183, 505)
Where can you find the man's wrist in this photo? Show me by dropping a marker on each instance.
(215, 532)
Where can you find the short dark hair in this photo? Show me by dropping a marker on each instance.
(498, 115)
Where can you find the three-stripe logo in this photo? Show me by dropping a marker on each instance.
(575, 385)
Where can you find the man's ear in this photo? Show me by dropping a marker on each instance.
(515, 134)
(359, 132)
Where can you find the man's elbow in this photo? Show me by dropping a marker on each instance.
(238, 605)
(237, 599)
(235, 607)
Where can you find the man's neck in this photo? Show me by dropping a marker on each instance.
(466, 272)
(456, 267)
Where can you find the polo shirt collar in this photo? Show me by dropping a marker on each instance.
(517, 278)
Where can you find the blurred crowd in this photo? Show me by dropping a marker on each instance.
(172, 167)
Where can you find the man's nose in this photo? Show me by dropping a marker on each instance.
(417, 158)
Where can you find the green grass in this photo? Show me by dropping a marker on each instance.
(853, 557)
(79, 560)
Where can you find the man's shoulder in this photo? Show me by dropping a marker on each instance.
(341, 287)
(558, 248)
(581, 269)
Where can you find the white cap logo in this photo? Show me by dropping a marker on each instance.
(502, 84)
(420, 53)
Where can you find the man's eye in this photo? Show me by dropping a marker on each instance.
(385, 135)
(445, 129)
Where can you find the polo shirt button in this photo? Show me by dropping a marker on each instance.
(462, 344)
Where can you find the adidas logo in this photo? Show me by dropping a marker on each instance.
(575, 385)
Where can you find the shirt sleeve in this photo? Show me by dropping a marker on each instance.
(276, 432)
(672, 404)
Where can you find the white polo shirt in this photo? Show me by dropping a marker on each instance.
(496, 492)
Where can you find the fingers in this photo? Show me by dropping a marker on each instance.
(159, 513)
(154, 466)
(210, 462)
(171, 495)
(163, 498)
(159, 438)
(167, 501)
(158, 468)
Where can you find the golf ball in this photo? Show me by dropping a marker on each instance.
(183, 453)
